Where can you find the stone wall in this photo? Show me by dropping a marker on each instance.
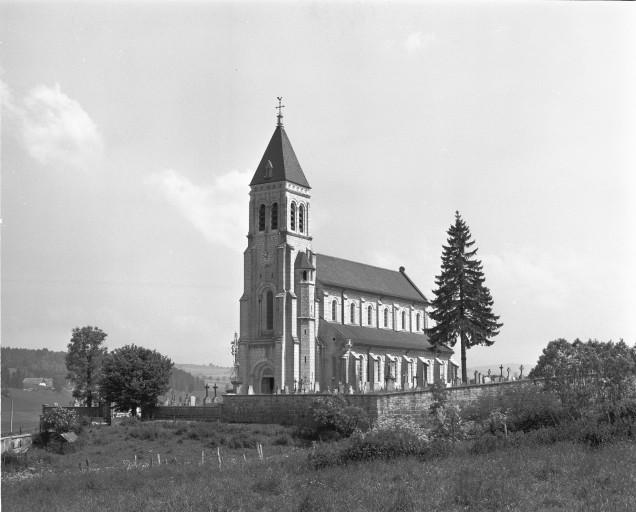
(294, 409)
(200, 413)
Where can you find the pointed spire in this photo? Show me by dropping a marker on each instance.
(279, 163)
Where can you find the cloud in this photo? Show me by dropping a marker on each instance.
(55, 129)
(213, 210)
(525, 278)
(417, 41)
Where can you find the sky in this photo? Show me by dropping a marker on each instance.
(130, 132)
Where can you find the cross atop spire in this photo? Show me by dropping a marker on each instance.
(280, 108)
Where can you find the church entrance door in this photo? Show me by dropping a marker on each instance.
(267, 385)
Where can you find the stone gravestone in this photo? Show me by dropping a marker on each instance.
(193, 401)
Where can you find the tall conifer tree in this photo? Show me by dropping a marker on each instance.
(462, 307)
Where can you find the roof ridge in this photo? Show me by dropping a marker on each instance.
(357, 262)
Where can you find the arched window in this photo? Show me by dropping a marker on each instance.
(261, 218)
(301, 218)
(369, 315)
(386, 317)
(353, 313)
(293, 217)
(403, 320)
(269, 304)
(274, 222)
(334, 310)
(304, 275)
(417, 322)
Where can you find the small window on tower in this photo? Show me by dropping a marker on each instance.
(334, 310)
(417, 322)
(269, 319)
(403, 320)
(261, 218)
(292, 218)
(268, 169)
(301, 218)
(304, 275)
(274, 223)
(353, 313)
(370, 315)
(386, 317)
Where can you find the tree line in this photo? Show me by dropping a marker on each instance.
(20, 363)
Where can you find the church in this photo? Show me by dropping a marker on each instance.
(310, 322)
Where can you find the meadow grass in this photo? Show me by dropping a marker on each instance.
(561, 476)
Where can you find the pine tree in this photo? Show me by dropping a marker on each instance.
(462, 307)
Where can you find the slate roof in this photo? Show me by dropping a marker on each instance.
(303, 263)
(366, 278)
(373, 337)
(285, 166)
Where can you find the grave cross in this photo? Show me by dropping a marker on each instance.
(207, 388)
(215, 387)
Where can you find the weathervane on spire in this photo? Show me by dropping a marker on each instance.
(280, 108)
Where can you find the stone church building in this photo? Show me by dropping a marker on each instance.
(312, 322)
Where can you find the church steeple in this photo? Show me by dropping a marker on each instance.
(279, 163)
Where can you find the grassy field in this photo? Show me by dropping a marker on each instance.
(101, 475)
(27, 407)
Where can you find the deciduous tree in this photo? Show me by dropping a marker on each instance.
(84, 362)
(462, 307)
(134, 377)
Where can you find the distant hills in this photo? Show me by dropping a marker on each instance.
(209, 373)
(19, 363)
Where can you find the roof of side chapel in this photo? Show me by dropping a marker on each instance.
(352, 275)
(284, 164)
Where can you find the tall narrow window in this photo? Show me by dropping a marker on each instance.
(301, 218)
(386, 317)
(274, 222)
(304, 275)
(269, 324)
(261, 218)
(417, 322)
(403, 320)
(334, 310)
(369, 315)
(292, 218)
(353, 313)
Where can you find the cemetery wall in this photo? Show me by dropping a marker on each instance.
(293, 409)
(211, 412)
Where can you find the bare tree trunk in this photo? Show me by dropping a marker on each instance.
(463, 348)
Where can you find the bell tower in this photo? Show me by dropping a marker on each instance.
(279, 229)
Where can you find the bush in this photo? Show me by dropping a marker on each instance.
(59, 420)
(387, 439)
(525, 408)
(333, 414)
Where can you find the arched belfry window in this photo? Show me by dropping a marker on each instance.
(274, 222)
(261, 218)
(269, 317)
(403, 320)
(386, 317)
(334, 310)
(370, 315)
(301, 218)
(353, 313)
(417, 322)
(292, 219)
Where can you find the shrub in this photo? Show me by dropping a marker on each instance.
(387, 439)
(448, 422)
(333, 414)
(61, 420)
